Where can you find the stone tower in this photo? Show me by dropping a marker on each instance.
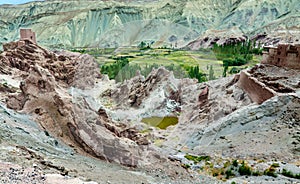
(27, 34)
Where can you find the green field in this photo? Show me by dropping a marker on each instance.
(181, 60)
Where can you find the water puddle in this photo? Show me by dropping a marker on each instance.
(160, 122)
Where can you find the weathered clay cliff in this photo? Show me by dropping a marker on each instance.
(45, 78)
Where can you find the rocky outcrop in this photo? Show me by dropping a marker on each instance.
(256, 131)
(203, 96)
(70, 69)
(134, 92)
(70, 117)
(216, 37)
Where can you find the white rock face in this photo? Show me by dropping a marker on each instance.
(113, 24)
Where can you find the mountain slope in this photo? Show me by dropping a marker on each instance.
(124, 23)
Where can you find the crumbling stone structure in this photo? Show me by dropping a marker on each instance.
(257, 91)
(259, 86)
(27, 36)
(285, 55)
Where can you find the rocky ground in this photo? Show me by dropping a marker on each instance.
(62, 121)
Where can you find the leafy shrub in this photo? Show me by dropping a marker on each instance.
(229, 173)
(270, 172)
(234, 70)
(235, 163)
(256, 173)
(257, 51)
(244, 169)
(112, 70)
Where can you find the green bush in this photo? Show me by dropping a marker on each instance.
(270, 172)
(235, 163)
(244, 169)
(229, 173)
(256, 173)
(234, 70)
(186, 166)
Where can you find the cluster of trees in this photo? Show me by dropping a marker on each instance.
(236, 54)
(113, 69)
(195, 72)
(145, 45)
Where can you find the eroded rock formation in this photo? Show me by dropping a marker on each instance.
(46, 76)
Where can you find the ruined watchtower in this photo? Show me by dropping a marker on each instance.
(27, 34)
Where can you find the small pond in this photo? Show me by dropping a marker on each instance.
(160, 122)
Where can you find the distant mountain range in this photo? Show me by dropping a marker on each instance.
(94, 23)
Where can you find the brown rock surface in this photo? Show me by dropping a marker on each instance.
(70, 117)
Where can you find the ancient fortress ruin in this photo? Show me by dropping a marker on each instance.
(261, 83)
(285, 55)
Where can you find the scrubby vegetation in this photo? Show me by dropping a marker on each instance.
(229, 169)
(197, 159)
(290, 174)
(270, 171)
(244, 169)
(112, 70)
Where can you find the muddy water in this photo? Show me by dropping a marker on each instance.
(160, 122)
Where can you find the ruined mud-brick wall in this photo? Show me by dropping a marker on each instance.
(257, 91)
(284, 55)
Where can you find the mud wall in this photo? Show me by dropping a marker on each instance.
(293, 60)
(283, 56)
(257, 91)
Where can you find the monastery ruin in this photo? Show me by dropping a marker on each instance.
(259, 86)
(285, 55)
